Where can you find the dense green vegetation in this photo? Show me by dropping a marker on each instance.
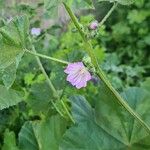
(36, 115)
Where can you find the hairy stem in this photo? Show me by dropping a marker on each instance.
(100, 73)
(47, 57)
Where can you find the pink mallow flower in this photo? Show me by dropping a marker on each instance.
(94, 25)
(78, 75)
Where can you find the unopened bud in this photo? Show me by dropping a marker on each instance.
(93, 25)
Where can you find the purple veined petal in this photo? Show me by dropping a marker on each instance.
(88, 76)
(71, 77)
(78, 75)
(77, 64)
(72, 68)
(81, 84)
(76, 80)
(80, 64)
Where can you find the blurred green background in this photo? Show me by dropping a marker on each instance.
(122, 47)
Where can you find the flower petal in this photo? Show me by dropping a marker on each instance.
(88, 76)
(77, 74)
(81, 84)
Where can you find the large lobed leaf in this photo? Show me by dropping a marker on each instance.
(108, 126)
(117, 121)
(9, 97)
(13, 38)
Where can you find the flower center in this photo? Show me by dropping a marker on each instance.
(82, 71)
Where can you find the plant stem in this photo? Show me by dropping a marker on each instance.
(68, 113)
(44, 73)
(108, 14)
(47, 57)
(83, 35)
(99, 70)
(57, 109)
(56, 95)
(121, 101)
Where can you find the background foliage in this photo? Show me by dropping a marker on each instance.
(122, 49)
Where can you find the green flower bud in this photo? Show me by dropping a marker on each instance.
(88, 63)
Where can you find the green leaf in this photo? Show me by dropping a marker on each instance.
(40, 96)
(114, 119)
(123, 2)
(44, 135)
(146, 84)
(137, 16)
(86, 135)
(9, 97)
(84, 4)
(13, 39)
(9, 141)
(108, 126)
(9, 75)
(27, 139)
(81, 109)
(51, 8)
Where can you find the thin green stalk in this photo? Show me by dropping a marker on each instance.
(48, 80)
(47, 57)
(99, 70)
(57, 109)
(108, 14)
(66, 109)
(45, 74)
(56, 95)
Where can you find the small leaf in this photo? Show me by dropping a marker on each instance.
(146, 84)
(9, 97)
(40, 96)
(13, 38)
(51, 8)
(44, 135)
(9, 141)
